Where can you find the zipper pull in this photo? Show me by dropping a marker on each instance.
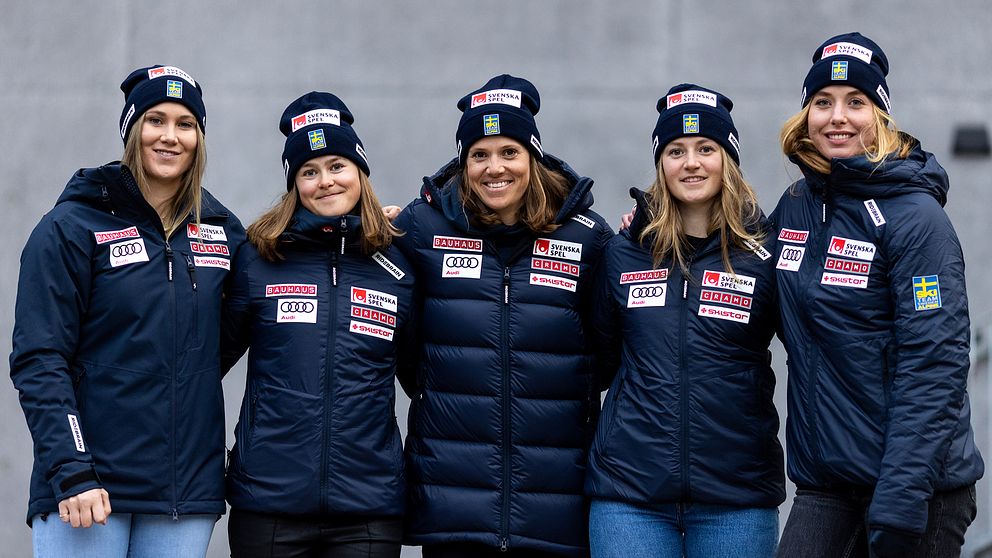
(824, 218)
(503, 545)
(175, 514)
(191, 269)
(344, 229)
(334, 269)
(685, 289)
(168, 258)
(506, 285)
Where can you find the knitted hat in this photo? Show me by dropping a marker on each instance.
(691, 110)
(315, 125)
(504, 106)
(849, 59)
(147, 87)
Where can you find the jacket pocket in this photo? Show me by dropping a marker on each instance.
(608, 419)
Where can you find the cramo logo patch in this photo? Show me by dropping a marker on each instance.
(558, 249)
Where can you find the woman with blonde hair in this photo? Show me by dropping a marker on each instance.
(116, 340)
(323, 301)
(875, 320)
(686, 461)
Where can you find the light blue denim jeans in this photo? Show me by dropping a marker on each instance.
(620, 530)
(124, 536)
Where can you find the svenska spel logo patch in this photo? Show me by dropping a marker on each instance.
(838, 70)
(316, 139)
(491, 124)
(926, 292)
(690, 123)
(174, 89)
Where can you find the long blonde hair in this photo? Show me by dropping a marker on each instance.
(733, 212)
(888, 140)
(546, 193)
(189, 198)
(377, 231)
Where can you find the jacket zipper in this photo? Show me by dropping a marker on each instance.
(169, 259)
(818, 251)
(684, 384)
(504, 543)
(328, 375)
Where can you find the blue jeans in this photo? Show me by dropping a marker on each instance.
(125, 535)
(620, 530)
(833, 525)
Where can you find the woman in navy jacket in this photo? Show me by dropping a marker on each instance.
(875, 320)
(323, 299)
(116, 340)
(686, 461)
(504, 245)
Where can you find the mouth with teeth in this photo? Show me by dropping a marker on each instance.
(497, 185)
(693, 179)
(165, 154)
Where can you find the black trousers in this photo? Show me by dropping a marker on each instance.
(259, 535)
(475, 550)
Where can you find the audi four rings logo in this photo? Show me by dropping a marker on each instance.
(296, 306)
(792, 254)
(127, 249)
(461, 261)
(646, 292)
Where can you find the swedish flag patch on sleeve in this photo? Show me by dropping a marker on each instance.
(926, 292)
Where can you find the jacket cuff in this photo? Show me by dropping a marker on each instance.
(888, 542)
(71, 479)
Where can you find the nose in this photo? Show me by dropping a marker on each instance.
(169, 133)
(691, 160)
(494, 166)
(839, 114)
(326, 179)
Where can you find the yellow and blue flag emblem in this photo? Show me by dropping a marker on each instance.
(317, 139)
(926, 292)
(491, 123)
(838, 70)
(174, 89)
(690, 123)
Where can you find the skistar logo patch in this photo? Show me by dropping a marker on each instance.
(456, 243)
(718, 312)
(201, 248)
(371, 330)
(857, 249)
(378, 299)
(647, 295)
(721, 280)
(553, 281)
(283, 289)
(555, 265)
(558, 249)
(844, 280)
(208, 261)
(110, 236)
(643, 276)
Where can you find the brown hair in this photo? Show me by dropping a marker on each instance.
(546, 193)
(189, 198)
(733, 211)
(377, 231)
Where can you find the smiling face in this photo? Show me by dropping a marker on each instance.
(498, 171)
(692, 169)
(168, 143)
(329, 185)
(841, 122)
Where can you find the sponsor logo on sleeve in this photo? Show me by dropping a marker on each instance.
(384, 318)
(721, 280)
(128, 252)
(789, 235)
(742, 301)
(389, 266)
(283, 289)
(848, 248)
(758, 250)
(170, 71)
(376, 299)
(838, 70)
(558, 249)
(643, 276)
(562, 283)
(691, 96)
(208, 233)
(502, 96)
(320, 116)
(555, 265)
(201, 248)
(844, 280)
(110, 236)
(847, 49)
(456, 243)
(646, 295)
(690, 123)
(457, 265)
(791, 257)
(490, 124)
(77, 433)
(209, 261)
(584, 220)
(926, 292)
(875, 213)
(847, 266)
(721, 313)
(371, 330)
(296, 310)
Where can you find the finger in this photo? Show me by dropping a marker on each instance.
(106, 502)
(99, 512)
(86, 515)
(74, 513)
(63, 512)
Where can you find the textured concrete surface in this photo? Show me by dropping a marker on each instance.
(600, 66)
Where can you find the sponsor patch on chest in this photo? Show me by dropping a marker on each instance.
(110, 236)
(388, 265)
(790, 235)
(646, 295)
(554, 281)
(644, 276)
(558, 249)
(758, 250)
(721, 280)
(844, 280)
(875, 213)
(458, 265)
(791, 257)
(128, 252)
(584, 220)
(209, 261)
(371, 330)
(208, 233)
(283, 289)
(555, 265)
(384, 318)
(457, 243)
(721, 313)
(376, 299)
(741, 301)
(848, 248)
(202, 248)
(296, 310)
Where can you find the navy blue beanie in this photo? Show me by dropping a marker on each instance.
(504, 106)
(147, 87)
(691, 110)
(315, 125)
(850, 59)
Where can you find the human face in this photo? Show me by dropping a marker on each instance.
(841, 122)
(329, 185)
(498, 170)
(692, 168)
(168, 143)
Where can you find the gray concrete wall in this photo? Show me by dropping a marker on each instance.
(600, 66)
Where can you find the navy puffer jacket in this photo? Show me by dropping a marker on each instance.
(116, 349)
(875, 320)
(689, 416)
(505, 405)
(317, 432)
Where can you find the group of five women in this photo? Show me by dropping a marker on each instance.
(504, 305)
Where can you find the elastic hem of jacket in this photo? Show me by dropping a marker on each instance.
(78, 478)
